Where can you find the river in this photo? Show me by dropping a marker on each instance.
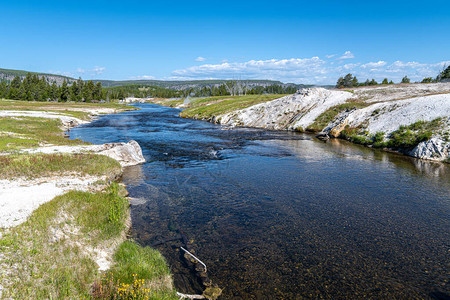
(279, 215)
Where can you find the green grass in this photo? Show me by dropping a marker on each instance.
(410, 136)
(169, 103)
(20, 105)
(74, 109)
(26, 132)
(206, 108)
(406, 137)
(37, 130)
(10, 143)
(138, 273)
(39, 165)
(327, 116)
(48, 257)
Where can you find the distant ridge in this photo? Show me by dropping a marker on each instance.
(183, 85)
(8, 75)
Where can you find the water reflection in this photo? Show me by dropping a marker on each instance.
(313, 151)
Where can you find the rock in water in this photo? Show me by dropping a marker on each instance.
(128, 154)
(433, 149)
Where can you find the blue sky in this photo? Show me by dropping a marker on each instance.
(292, 41)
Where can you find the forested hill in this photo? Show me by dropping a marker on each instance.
(193, 84)
(8, 75)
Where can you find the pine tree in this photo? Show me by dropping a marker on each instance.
(427, 80)
(88, 91)
(64, 92)
(98, 91)
(444, 76)
(347, 81)
(385, 81)
(54, 95)
(406, 80)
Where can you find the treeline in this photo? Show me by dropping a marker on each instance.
(140, 91)
(38, 88)
(236, 88)
(351, 81)
(35, 88)
(233, 88)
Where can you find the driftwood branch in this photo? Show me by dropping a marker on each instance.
(186, 296)
(195, 258)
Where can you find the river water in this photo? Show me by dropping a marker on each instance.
(278, 215)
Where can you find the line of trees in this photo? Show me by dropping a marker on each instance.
(238, 88)
(35, 88)
(233, 88)
(140, 91)
(351, 81)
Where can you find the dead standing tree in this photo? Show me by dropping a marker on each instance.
(236, 87)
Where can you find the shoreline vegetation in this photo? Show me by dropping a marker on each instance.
(75, 245)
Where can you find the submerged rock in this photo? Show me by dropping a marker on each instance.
(323, 136)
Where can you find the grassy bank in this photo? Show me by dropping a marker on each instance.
(74, 109)
(44, 165)
(54, 254)
(206, 108)
(27, 132)
(327, 116)
(404, 138)
(30, 132)
(57, 252)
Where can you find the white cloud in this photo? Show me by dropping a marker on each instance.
(347, 55)
(310, 70)
(63, 73)
(81, 72)
(279, 69)
(98, 70)
(142, 77)
(200, 58)
(374, 64)
(330, 55)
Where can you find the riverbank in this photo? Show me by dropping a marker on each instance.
(64, 218)
(412, 119)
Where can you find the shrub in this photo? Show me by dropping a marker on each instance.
(410, 136)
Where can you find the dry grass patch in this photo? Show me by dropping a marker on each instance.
(45, 165)
(20, 133)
